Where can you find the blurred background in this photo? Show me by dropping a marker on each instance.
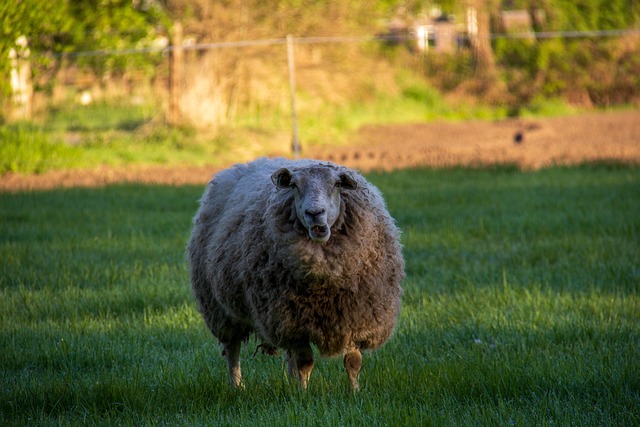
(199, 82)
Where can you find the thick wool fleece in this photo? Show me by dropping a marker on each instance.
(255, 269)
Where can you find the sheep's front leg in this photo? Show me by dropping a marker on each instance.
(353, 363)
(300, 364)
(232, 353)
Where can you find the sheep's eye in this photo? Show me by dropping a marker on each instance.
(338, 184)
(293, 185)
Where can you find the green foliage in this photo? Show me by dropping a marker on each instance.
(41, 22)
(592, 14)
(116, 25)
(591, 71)
(27, 149)
(521, 307)
(449, 71)
(531, 69)
(54, 27)
(547, 107)
(583, 15)
(601, 72)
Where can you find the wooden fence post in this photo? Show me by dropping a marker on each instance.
(20, 79)
(175, 74)
(295, 142)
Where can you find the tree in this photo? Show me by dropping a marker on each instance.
(481, 40)
(41, 23)
(56, 27)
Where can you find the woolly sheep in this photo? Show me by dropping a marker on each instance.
(299, 253)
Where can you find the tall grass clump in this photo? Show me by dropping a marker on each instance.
(521, 307)
(27, 148)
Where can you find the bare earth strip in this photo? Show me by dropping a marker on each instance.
(528, 143)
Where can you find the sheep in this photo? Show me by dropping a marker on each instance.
(300, 253)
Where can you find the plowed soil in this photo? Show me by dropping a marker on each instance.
(528, 143)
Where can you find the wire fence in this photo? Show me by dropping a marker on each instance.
(198, 83)
(339, 39)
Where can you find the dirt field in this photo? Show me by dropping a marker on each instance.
(529, 143)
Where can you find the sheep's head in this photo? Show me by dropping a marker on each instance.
(316, 193)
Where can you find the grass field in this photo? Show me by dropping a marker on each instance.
(121, 135)
(521, 307)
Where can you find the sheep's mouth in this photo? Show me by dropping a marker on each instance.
(319, 233)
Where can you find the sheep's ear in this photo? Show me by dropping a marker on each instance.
(347, 181)
(281, 178)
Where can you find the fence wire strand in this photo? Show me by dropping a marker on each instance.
(341, 39)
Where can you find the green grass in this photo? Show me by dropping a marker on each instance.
(99, 117)
(85, 137)
(417, 101)
(416, 105)
(114, 134)
(26, 148)
(521, 307)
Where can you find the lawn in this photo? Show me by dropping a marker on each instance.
(521, 307)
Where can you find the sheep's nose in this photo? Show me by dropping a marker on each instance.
(313, 213)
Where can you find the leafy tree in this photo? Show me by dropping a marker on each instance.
(64, 26)
(42, 23)
(113, 25)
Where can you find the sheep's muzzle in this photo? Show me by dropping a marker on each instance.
(319, 233)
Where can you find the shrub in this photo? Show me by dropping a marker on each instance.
(598, 72)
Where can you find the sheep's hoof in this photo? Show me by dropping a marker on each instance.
(232, 353)
(300, 365)
(236, 378)
(353, 364)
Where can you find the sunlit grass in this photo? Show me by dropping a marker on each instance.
(521, 307)
(100, 116)
(119, 134)
(28, 149)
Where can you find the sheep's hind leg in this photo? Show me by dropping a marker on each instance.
(300, 364)
(353, 363)
(232, 353)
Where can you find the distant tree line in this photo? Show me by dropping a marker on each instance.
(63, 26)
